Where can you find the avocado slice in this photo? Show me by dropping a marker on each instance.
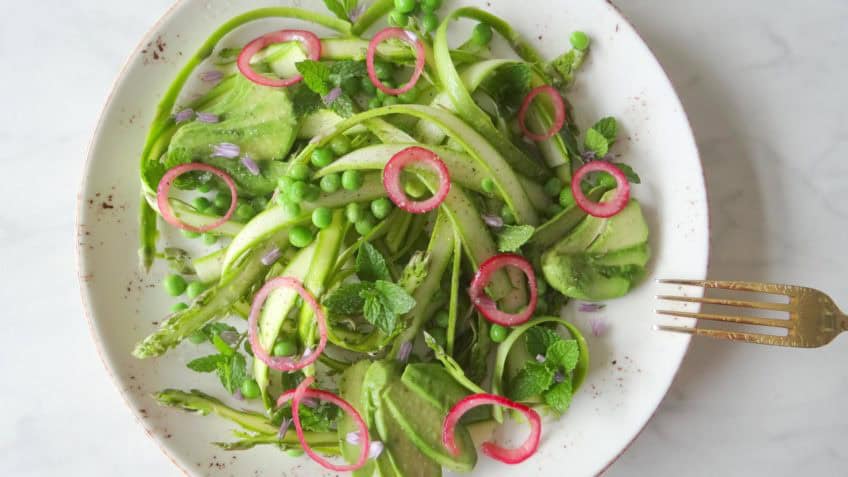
(405, 460)
(601, 258)
(421, 421)
(350, 389)
(433, 383)
(377, 376)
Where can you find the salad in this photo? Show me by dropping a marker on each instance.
(385, 231)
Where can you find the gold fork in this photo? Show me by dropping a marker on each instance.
(814, 319)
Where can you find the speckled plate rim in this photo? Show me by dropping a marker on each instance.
(85, 291)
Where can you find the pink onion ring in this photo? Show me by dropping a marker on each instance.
(601, 209)
(307, 38)
(507, 456)
(407, 37)
(394, 189)
(559, 112)
(303, 391)
(164, 188)
(487, 306)
(285, 363)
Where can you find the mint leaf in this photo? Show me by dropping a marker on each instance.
(563, 353)
(628, 172)
(539, 339)
(370, 264)
(316, 76)
(394, 297)
(347, 299)
(558, 397)
(232, 372)
(596, 142)
(531, 381)
(509, 85)
(305, 101)
(415, 271)
(342, 70)
(376, 312)
(608, 128)
(337, 8)
(512, 237)
(320, 419)
(343, 106)
(206, 364)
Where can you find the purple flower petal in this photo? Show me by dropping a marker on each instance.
(309, 402)
(184, 115)
(332, 96)
(599, 326)
(272, 256)
(493, 220)
(591, 307)
(208, 118)
(284, 427)
(375, 449)
(250, 165)
(238, 395)
(355, 13)
(588, 156)
(404, 351)
(211, 76)
(559, 377)
(225, 149)
(352, 438)
(540, 358)
(306, 353)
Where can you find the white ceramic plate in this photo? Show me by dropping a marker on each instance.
(632, 365)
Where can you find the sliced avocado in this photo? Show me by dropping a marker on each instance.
(258, 119)
(350, 389)
(637, 255)
(432, 382)
(623, 230)
(422, 423)
(403, 456)
(582, 236)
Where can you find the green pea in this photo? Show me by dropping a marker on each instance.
(249, 389)
(390, 101)
(284, 348)
(350, 85)
(177, 307)
(284, 182)
(245, 212)
(429, 22)
(330, 182)
(482, 34)
(375, 103)
(384, 70)
(497, 333)
(566, 198)
(204, 188)
(508, 218)
(352, 179)
(381, 207)
(398, 19)
(194, 289)
(405, 6)
(488, 185)
(189, 234)
(431, 5)
(553, 186)
(300, 236)
(197, 337)
(201, 203)
(210, 239)
(409, 96)
(222, 201)
(322, 157)
(367, 86)
(298, 191)
(364, 225)
(340, 145)
(294, 452)
(439, 335)
(579, 40)
(606, 180)
(322, 217)
(312, 193)
(442, 319)
(353, 212)
(299, 172)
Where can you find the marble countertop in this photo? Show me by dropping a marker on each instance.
(764, 87)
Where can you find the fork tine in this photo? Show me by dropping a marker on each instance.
(759, 305)
(728, 335)
(772, 288)
(745, 320)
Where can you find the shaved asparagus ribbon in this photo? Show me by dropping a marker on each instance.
(507, 456)
(405, 36)
(302, 392)
(311, 42)
(285, 363)
(164, 188)
(487, 306)
(559, 112)
(394, 189)
(601, 209)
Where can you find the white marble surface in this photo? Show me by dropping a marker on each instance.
(765, 88)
